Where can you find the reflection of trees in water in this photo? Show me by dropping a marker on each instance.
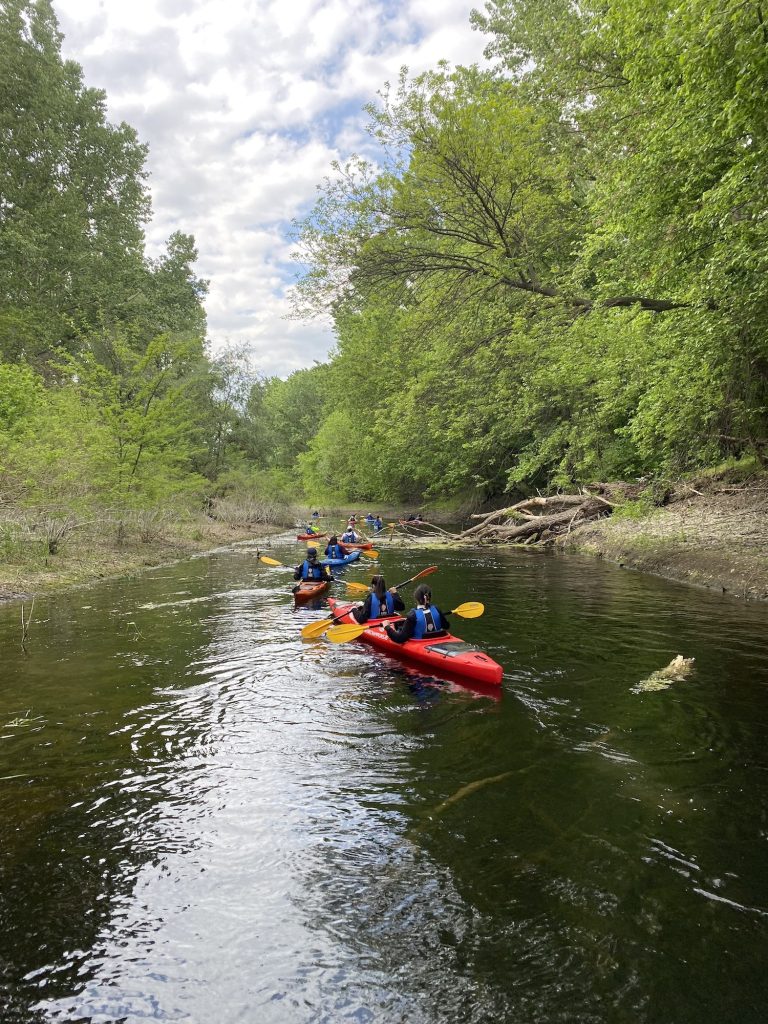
(99, 777)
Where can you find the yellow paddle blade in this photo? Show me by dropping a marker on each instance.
(271, 561)
(359, 588)
(469, 610)
(370, 554)
(316, 629)
(340, 634)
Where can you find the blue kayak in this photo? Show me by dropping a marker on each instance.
(351, 557)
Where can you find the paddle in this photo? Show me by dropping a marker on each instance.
(362, 588)
(273, 561)
(341, 634)
(315, 629)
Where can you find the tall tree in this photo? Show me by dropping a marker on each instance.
(73, 196)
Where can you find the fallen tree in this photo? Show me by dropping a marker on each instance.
(537, 520)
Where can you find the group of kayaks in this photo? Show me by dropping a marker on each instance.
(446, 654)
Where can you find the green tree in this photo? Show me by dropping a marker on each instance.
(73, 196)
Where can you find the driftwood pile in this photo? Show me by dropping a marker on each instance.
(537, 520)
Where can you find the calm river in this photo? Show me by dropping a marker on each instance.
(204, 819)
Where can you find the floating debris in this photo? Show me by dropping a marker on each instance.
(676, 671)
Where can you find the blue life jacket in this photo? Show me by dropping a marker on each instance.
(378, 609)
(311, 572)
(427, 622)
(378, 524)
(348, 538)
(334, 551)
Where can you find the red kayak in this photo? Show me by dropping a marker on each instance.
(367, 546)
(444, 654)
(310, 589)
(310, 536)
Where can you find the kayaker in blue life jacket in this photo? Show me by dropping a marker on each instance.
(378, 524)
(311, 569)
(350, 537)
(425, 620)
(334, 549)
(379, 602)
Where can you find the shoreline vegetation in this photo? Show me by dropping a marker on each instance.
(88, 552)
(504, 328)
(710, 531)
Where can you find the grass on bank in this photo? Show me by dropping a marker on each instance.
(44, 551)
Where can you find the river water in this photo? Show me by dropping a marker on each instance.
(204, 819)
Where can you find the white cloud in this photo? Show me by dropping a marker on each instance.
(244, 106)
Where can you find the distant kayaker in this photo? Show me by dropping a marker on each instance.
(334, 549)
(379, 602)
(425, 620)
(315, 515)
(350, 536)
(378, 524)
(311, 569)
(311, 530)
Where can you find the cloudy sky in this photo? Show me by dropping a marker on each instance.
(244, 104)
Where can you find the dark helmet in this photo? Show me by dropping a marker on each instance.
(311, 552)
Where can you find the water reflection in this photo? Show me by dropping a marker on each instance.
(205, 818)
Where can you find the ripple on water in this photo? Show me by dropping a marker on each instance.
(223, 822)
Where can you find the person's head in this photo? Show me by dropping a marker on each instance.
(423, 594)
(334, 539)
(378, 587)
(311, 554)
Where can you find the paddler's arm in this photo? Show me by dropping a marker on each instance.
(405, 630)
(363, 611)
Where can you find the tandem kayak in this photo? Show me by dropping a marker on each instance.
(309, 589)
(446, 653)
(310, 536)
(351, 557)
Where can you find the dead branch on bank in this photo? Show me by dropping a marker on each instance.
(422, 527)
(537, 520)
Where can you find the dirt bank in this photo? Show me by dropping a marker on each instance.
(87, 558)
(717, 539)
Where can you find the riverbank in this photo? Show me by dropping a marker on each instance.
(88, 556)
(712, 534)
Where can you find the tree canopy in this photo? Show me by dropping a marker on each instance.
(556, 271)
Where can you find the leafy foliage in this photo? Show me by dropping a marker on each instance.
(557, 273)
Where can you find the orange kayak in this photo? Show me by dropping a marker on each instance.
(308, 590)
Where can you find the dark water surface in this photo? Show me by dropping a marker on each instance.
(204, 819)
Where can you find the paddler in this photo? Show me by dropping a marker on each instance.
(350, 536)
(334, 549)
(379, 602)
(312, 570)
(425, 620)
